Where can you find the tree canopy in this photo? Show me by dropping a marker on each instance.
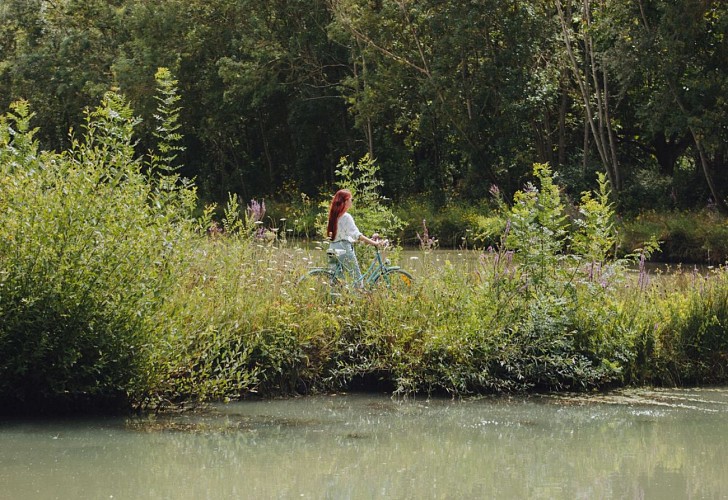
(449, 97)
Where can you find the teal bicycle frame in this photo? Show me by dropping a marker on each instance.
(379, 273)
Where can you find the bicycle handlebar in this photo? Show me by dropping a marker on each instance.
(385, 242)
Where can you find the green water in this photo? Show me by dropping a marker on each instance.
(658, 444)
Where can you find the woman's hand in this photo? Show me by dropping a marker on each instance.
(379, 241)
(374, 240)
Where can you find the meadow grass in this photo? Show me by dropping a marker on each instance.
(249, 329)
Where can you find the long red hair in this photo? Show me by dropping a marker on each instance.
(336, 210)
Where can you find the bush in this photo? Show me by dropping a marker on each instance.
(90, 247)
(455, 224)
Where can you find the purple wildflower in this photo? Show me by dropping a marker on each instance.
(427, 242)
(256, 211)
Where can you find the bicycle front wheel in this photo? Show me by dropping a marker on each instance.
(321, 282)
(395, 279)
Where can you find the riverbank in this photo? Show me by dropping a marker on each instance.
(243, 328)
(113, 285)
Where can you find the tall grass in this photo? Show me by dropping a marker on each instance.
(519, 321)
(453, 333)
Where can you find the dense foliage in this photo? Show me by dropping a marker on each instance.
(449, 97)
(111, 287)
(89, 251)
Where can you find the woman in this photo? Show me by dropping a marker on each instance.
(343, 233)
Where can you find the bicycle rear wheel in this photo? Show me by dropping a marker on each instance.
(321, 282)
(395, 279)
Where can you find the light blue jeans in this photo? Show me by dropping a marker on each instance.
(345, 253)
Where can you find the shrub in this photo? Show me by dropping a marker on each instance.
(90, 246)
(370, 208)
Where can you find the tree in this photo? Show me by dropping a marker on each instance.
(592, 78)
(60, 58)
(692, 39)
(672, 64)
(453, 79)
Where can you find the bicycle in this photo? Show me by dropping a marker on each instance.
(379, 273)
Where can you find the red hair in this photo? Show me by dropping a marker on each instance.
(337, 208)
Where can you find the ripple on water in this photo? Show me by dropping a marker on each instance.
(654, 402)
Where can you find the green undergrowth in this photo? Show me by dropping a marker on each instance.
(244, 328)
(699, 237)
(528, 316)
(687, 237)
(112, 286)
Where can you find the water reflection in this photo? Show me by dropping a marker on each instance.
(629, 444)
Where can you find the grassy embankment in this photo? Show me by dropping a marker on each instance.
(111, 289)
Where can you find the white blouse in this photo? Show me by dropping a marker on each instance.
(346, 229)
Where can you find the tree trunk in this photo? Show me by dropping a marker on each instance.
(266, 149)
(597, 117)
(368, 129)
(562, 127)
(717, 198)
